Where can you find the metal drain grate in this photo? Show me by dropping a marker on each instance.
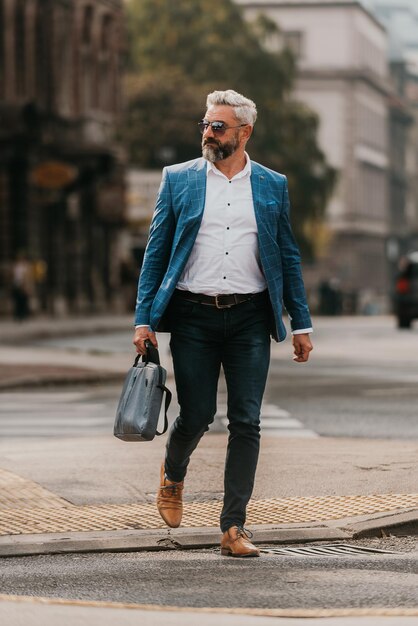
(340, 549)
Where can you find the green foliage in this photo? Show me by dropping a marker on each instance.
(162, 113)
(179, 50)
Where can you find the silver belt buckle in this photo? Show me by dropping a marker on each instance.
(221, 306)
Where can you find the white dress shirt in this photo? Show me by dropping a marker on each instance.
(225, 257)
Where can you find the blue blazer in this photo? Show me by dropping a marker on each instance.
(174, 227)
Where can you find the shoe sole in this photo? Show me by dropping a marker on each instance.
(225, 552)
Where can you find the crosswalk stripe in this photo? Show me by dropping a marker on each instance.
(48, 408)
(69, 414)
(275, 421)
(32, 414)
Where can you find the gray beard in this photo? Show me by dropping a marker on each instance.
(213, 152)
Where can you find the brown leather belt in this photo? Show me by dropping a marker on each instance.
(222, 301)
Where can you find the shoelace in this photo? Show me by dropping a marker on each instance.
(173, 488)
(244, 532)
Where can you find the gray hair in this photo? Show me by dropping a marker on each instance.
(244, 109)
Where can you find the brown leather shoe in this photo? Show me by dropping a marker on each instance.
(170, 500)
(236, 542)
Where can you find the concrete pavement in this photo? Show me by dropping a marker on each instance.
(21, 611)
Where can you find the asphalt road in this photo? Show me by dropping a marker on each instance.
(203, 578)
(346, 399)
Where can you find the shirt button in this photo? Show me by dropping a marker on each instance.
(226, 252)
(224, 277)
(229, 204)
(227, 228)
(230, 181)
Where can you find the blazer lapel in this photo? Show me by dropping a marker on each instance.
(258, 186)
(193, 204)
(196, 176)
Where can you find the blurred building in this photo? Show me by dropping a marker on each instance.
(400, 18)
(142, 189)
(341, 49)
(402, 205)
(61, 179)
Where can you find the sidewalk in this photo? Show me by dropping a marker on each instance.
(18, 333)
(22, 366)
(21, 611)
(98, 494)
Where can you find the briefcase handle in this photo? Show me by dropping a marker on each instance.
(152, 355)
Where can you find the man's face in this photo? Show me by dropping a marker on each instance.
(219, 147)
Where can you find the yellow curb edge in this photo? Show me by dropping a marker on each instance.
(301, 613)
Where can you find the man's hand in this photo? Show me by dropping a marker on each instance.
(141, 335)
(302, 347)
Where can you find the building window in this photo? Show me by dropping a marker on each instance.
(86, 36)
(87, 65)
(294, 41)
(40, 55)
(20, 48)
(63, 60)
(106, 83)
(106, 33)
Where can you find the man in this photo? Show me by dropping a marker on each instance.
(219, 261)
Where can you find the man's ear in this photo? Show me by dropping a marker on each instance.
(247, 132)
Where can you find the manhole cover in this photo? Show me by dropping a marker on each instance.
(341, 549)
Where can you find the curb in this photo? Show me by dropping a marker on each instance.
(196, 612)
(398, 524)
(158, 540)
(402, 523)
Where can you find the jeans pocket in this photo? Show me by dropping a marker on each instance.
(181, 309)
(259, 303)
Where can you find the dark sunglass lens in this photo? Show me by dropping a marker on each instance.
(202, 126)
(218, 127)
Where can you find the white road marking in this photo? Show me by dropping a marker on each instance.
(34, 414)
(275, 422)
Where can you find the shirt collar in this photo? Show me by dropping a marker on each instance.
(246, 171)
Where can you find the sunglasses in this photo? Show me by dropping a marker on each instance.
(218, 128)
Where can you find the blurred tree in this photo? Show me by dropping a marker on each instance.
(178, 52)
(162, 111)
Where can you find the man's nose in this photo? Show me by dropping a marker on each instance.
(208, 130)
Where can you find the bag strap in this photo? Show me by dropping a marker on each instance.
(168, 397)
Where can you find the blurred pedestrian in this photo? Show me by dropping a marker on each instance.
(22, 284)
(40, 275)
(330, 297)
(128, 276)
(220, 258)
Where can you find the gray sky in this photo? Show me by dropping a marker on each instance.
(402, 26)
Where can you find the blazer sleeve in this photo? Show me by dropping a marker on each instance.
(294, 296)
(157, 252)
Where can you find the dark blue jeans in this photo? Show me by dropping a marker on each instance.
(202, 339)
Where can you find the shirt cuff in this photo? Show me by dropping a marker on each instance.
(302, 331)
(141, 326)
